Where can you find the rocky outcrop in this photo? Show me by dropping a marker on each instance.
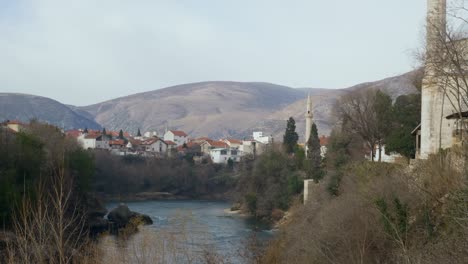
(96, 212)
(122, 216)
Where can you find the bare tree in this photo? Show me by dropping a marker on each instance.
(356, 112)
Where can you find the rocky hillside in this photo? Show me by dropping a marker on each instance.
(25, 107)
(214, 109)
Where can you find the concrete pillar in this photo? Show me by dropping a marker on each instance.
(309, 188)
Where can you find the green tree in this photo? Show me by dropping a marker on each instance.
(138, 133)
(121, 135)
(290, 136)
(104, 132)
(314, 159)
(406, 116)
(383, 111)
(85, 130)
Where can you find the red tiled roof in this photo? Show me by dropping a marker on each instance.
(73, 133)
(14, 122)
(135, 142)
(323, 141)
(217, 144)
(234, 141)
(168, 142)
(179, 133)
(117, 142)
(202, 139)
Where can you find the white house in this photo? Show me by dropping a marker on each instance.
(258, 136)
(176, 136)
(154, 145)
(390, 158)
(232, 143)
(150, 134)
(222, 155)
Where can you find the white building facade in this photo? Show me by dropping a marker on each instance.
(176, 136)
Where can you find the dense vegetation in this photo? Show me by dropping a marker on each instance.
(36, 156)
(128, 175)
(373, 212)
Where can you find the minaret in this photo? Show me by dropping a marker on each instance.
(308, 116)
(435, 131)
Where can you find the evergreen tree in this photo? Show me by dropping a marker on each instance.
(138, 133)
(85, 130)
(384, 116)
(406, 116)
(290, 136)
(121, 135)
(104, 131)
(314, 159)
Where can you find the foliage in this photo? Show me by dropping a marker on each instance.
(121, 135)
(406, 113)
(138, 133)
(272, 179)
(314, 158)
(290, 137)
(38, 154)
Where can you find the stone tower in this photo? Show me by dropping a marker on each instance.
(435, 128)
(308, 116)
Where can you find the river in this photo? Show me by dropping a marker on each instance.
(187, 232)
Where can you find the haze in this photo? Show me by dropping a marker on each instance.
(86, 51)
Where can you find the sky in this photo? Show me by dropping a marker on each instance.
(83, 52)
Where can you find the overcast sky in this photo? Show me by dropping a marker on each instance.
(86, 51)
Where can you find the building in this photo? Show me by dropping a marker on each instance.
(223, 155)
(15, 125)
(323, 145)
(208, 145)
(441, 123)
(176, 136)
(258, 136)
(232, 143)
(384, 157)
(154, 144)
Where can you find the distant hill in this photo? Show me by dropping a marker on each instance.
(214, 109)
(25, 107)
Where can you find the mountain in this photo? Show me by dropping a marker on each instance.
(323, 101)
(215, 109)
(24, 107)
(231, 109)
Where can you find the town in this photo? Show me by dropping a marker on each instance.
(171, 143)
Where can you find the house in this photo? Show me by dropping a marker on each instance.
(117, 144)
(323, 145)
(223, 155)
(176, 136)
(88, 141)
(15, 125)
(258, 136)
(154, 144)
(233, 143)
(384, 157)
(170, 144)
(208, 145)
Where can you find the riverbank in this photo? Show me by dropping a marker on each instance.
(162, 196)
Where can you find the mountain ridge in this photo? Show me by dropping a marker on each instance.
(227, 108)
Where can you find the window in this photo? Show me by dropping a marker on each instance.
(234, 152)
(223, 152)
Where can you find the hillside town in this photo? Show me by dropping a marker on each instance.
(171, 143)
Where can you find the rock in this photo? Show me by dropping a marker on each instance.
(98, 225)
(120, 215)
(144, 219)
